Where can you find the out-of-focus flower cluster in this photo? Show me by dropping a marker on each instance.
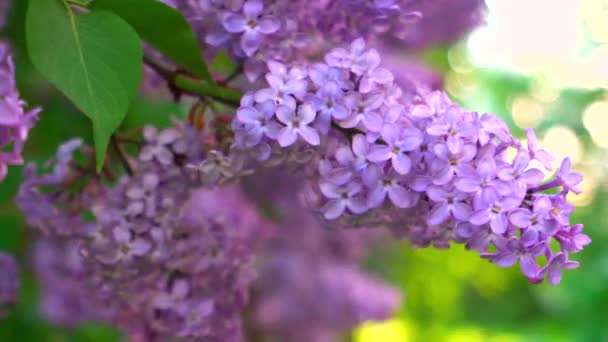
(427, 168)
(257, 31)
(308, 267)
(149, 257)
(15, 122)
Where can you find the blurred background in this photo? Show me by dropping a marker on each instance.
(537, 63)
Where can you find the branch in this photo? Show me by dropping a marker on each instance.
(191, 85)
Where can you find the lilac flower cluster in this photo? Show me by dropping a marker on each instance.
(257, 31)
(154, 258)
(15, 122)
(430, 169)
(9, 281)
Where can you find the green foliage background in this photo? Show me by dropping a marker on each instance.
(450, 295)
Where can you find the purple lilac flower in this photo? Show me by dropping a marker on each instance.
(425, 167)
(296, 124)
(15, 122)
(9, 281)
(554, 267)
(252, 24)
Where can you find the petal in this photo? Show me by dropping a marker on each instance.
(248, 115)
(532, 176)
(400, 197)
(467, 184)
(306, 114)
(272, 129)
(168, 136)
(498, 223)
(528, 265)
(287, 136)
(333, 209)
(372, 121)
(360, 145)
(357, 205)
(376, 197)
(253, 8)
(554, 275)
(269, 24)
(436, 193)
(438, 129)
(234, 23)
(438, 214)
(454, 144)
(461, 211)
(402, 164)
(310, 135)
(266, 94)
(250, 42)
(285, 114)
(505, 259)
(412, 139)
(330, 190)
(379, 153)
(521, 218)
(480, 217)
(277, 67)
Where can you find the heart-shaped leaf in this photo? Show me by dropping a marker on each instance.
(95, 59)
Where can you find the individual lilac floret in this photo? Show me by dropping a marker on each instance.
(424, 166)
(9, 281)
(15, 122)
(252, 23)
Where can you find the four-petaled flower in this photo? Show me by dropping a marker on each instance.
(297, 124)
(252, 23)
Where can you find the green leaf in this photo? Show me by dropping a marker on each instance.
(95, 59)
(164, 28)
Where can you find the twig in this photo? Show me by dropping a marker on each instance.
(191, 85)
(121, 155)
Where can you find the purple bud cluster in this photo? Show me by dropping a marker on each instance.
(15, 122)
(9, 281)
(257, 31)
(427, 168)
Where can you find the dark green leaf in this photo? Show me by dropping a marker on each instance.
(164, 28)
(95, 59)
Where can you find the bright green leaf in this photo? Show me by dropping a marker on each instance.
(95, 59)
(164, 28)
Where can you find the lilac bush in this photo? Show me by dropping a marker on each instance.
(249, 219)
